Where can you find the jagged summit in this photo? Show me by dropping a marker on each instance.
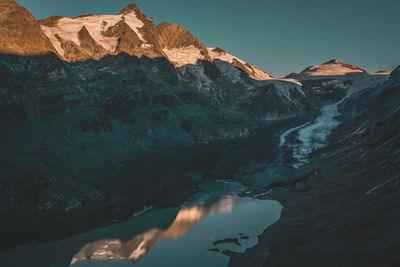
(129, 8)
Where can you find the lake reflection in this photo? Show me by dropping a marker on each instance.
(137, 247)
(177, 236)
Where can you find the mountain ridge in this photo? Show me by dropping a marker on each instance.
(91, 36)
(168, 40)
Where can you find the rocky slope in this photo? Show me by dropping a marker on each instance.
(88, 142)
(20, 33)
(342, 211)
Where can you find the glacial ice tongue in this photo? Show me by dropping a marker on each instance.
(315, 135)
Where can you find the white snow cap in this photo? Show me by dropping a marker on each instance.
(217, 53)
(331, 68)
(68, 28)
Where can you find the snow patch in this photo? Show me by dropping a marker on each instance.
(68, 28)
(222, 55)
(184, 56)
(381, 185)
(330, 70)
(134, 23)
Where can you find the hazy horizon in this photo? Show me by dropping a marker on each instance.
(280, 37)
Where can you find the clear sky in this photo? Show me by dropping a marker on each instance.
(279, 36)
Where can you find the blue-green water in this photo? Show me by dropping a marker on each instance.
(180, 236)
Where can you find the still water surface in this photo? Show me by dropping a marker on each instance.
(215, 219)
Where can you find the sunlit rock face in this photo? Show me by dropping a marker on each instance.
(20, 33)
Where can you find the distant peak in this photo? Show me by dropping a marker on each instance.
(340, 63)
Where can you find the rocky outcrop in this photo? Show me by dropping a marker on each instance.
(20, 33)
(173, 38)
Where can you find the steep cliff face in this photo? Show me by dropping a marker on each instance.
(20, 33)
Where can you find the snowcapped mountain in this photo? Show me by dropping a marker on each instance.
(335, 73)
(94, 36)
(333, 67)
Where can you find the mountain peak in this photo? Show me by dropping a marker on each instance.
(344, 65)
(333, 61)
(129, 8)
